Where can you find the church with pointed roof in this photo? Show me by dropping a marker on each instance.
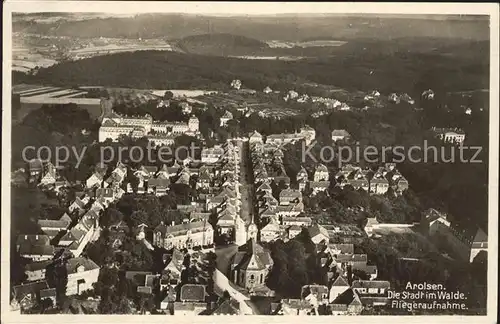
(251, 265)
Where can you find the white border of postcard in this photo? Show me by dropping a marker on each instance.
(249, 8)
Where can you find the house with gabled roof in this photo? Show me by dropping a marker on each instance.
(255, 137)
(372, 292)
(28, 295)
(337, 287)
(53, 227)
(171, 273)
(347, 303)
(82, 274)
(193, 293)
(159, 187)
(315, 294)
(340, 134)
(289, 196)
(186, 235)
(271, 232)
(35, 247)
(318, 234)
(479, 243)
(228, 307)
(35, 271)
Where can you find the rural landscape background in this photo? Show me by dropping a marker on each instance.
(71, 69)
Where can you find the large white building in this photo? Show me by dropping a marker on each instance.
(162, 133)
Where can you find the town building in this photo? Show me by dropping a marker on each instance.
(450, 135)
(250, 265)
(372, 292)
(35, 247)
(82, 274)
(225, 118)
(340, 135)
(186, 235)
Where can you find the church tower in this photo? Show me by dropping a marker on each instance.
(252, 231)
(240, 233)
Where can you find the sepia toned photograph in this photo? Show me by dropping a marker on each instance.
(202, 159)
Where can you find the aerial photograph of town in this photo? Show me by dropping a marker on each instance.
(288, 164)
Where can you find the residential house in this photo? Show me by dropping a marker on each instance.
(78, 205)
(371, 224)
(86, 230)
(52, 227)
(211, 155)
(270, 232)
(340, 135)
(297, 307)
(289, 196)
(188, 235)
(49, 174)
(225, 118)
(228, 307)
(321, 173)
(255, 137)
(298, 221)
(82, 274)
(158, 187)
(450, 135)
(372, 292)
(342, 248)
(35, 247)
(347, 303)
(479, 243)
(28, 295)
(293, 230)
(35, 167)
(317, 187)
(49, 293)
(338, 287)
(315, 294)
(318, 234)
(95, 180)
(35, 271)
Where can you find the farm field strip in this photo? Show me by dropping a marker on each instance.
(59, 92)
(45, 93)
(33, 91)
(72, 95)
(61, 101)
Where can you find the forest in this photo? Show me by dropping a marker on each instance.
(355, 68)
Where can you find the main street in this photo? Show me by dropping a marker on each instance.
(246, 186)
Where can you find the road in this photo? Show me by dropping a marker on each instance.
(221, 281)
(246, 188)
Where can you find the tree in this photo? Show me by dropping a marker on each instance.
(168, 95)
(57, 277)
(111, 216)
(138, 217)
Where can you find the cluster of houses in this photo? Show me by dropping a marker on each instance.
(177, 298)
(320, 181)
(449, 135)
(465, 241)
(397, 98)
(114, 126)
(352, 286)
(66, 238)
(45, 174)
(306, 133)
(375, 182)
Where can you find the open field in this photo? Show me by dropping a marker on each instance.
(34, 96)
(184, 93)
